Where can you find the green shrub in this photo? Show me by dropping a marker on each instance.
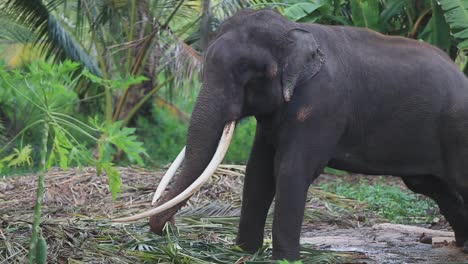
(26, 96)
(40, 104)
(388, 201)
(163, 135)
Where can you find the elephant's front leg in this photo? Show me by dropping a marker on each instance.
(259, 190)
(297, 164)
(292, 183)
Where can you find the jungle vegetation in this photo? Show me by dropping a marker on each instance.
(138, 62)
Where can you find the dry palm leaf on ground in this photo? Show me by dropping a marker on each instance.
(77, 208)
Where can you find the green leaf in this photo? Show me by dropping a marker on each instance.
(93, 78)
(365, 13)
(61, 145)
(456, 15)
(301, 10)
(392, 8)
(19, 157)
(120, 84)
(440, 32)
(463, 45)
(462, 34)
(124, 139)
(41, 250)
(50, 161)
(114, 178)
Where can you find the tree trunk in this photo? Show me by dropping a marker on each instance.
(205, 27)
(137, 92)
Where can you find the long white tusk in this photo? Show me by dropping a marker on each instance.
(207, 173)
(168, 176)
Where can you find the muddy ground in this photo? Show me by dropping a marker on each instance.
(382, 242)
(389, 243)
(76, 200)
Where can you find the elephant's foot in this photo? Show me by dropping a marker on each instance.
(249, 245)
(461, 240)
(459, 243)
(465, 247)
(286, 255)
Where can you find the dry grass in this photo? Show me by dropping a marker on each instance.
(78, 206)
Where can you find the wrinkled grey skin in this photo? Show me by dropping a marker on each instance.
(347, 97)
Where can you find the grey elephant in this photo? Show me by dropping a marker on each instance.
(345, 97)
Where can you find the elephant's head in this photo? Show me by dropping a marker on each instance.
(250, 69)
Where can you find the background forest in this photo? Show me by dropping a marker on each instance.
(137, 64)
(112, 82)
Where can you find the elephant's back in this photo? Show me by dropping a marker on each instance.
(367, 51)
(372, 65)
(398, 89)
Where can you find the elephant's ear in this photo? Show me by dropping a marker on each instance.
(304, 58)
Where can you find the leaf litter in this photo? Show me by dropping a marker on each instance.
(78, 207)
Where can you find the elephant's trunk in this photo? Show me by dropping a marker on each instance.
(181, 192)
(205, 131)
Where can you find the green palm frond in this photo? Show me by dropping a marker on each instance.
(216, 209)
(63, 45)
(180, 49)
(13, 32)
(226, 8)
(178, 58)
(53, 39)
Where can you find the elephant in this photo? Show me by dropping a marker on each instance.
(339, 96)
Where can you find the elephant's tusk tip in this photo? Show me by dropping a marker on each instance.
(155, 198)
(168, 176)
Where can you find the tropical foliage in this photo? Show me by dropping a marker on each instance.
(442, 23)
(41, 99)
(116, 39)
(161, 41)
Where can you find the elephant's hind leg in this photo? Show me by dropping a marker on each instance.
(259, 190)
(450, 202)
(464, 194)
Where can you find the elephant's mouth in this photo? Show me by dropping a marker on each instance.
(197, 184)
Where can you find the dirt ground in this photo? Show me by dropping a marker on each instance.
(389, 243)
(75, 198)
